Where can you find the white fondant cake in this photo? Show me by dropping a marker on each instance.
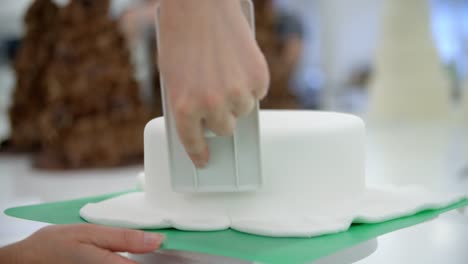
(314, 184)
(308, 158)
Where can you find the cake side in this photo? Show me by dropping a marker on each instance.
(310, 160)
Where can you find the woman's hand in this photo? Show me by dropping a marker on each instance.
(91, 244)
(212, 67)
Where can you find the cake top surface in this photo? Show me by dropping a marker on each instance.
(283, 121)
(307, 120)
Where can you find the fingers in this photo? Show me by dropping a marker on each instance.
(244, 96)
(217, 113)
(92, 255)
(190, 129)
(221, 123)
(120, 240)
(261, 79)
(242, 102)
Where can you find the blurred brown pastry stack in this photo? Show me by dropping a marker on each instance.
(279, 95)
(30, 66)
(92, 114)
(76, 99)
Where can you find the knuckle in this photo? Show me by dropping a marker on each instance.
(67, 232)
(85, 229)
(227, 127)
(261, 80)
(237, 91)
(128, 237)
(81, 228)
(244, 107)
(212, 102)
(261, 92)
(183, 110)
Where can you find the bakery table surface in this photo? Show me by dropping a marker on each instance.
(436, 162)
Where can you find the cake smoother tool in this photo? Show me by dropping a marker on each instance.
(235, 161)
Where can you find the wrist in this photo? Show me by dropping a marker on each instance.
(190, 6)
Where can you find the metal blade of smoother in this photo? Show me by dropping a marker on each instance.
(235, 161)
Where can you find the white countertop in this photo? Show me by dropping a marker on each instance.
(443, 240)
(20, 184)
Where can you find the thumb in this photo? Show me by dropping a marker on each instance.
(122, 240)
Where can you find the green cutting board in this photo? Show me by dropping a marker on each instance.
(230, 243)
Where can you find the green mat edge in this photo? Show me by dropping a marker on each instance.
(331, 243)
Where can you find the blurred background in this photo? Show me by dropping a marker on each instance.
(322, 55)
(79, 80)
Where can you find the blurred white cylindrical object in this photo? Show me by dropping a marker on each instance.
(410, 154)
(409, 82)
(465, 101)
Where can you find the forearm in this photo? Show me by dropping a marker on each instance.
(10, 254)
(180, 8)
(190, 5)
(213, 69)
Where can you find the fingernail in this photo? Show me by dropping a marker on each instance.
(151, 239)
(200, 160)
